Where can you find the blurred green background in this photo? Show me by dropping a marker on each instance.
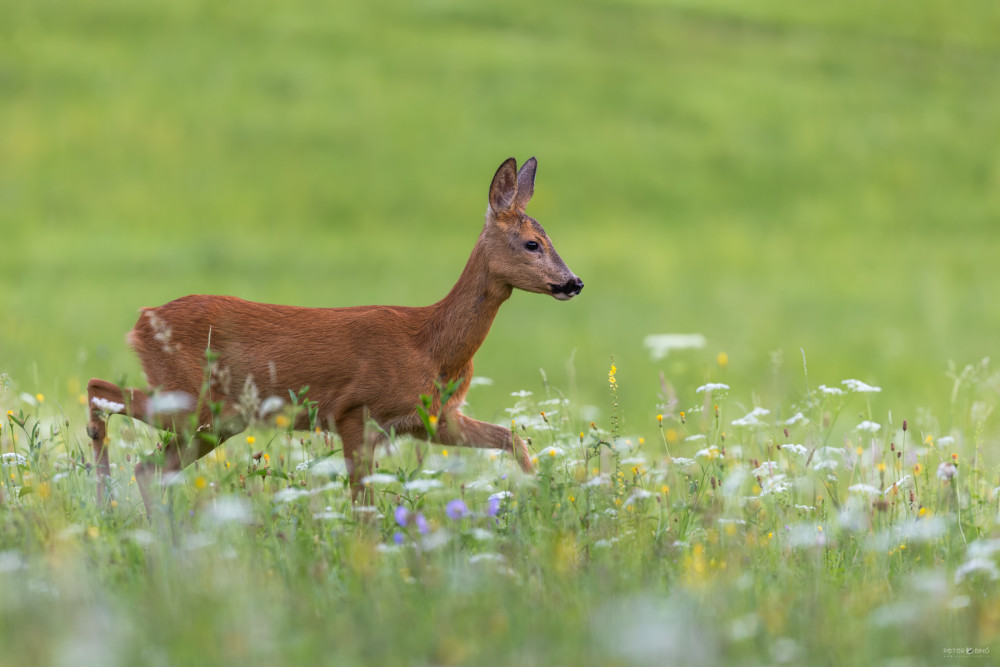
(774, 176)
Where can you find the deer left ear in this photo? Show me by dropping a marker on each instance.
(503, 189)
(525, 184)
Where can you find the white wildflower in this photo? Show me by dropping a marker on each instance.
(869, 427)
(487, 558)
(797, 418)
(521, 394)
(638, 494)
(946, 471)
(107, 406)
(695, 438)
(378, 478)
(752, 418)
(551, 451)
(422, 485)
(826, 464)
(501, 495)
(867, 489)
(775, 484)
(766, 468)
(801, 450)
(681, 462)
(270, 405)
(860, 387)
(289, 494)
(946, 441)
(712, 387)
(983, 566)
(169, 402)
(903, 481)
(230, 509)
(13, 458)
(708, 453)
(805, 508)
(599, 480)
(480, 381)
(831, 391)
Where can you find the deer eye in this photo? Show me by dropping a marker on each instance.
(531, 245)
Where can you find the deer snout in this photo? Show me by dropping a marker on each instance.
(567, 290)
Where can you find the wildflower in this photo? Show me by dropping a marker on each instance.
(421, 523)
(422, 485)
(444, 453)
(611, 377)
(659, 419)
(107, 406)
(954, 456)
(398, 537)
(830, 391)
(432, 420)
(946, 471)
(270, 405)
(402, 515)
(169, 402)
(683, 419)
(281, 421)
(881, 467)
(251, 440)
(40, 398)
(722, 359)
(200, 482)
(752, 418)
(456, 509)
(869, 427)
(665, 489)
(712, 387)
(801, 450)
(551, 451)
(493, 505)
(917, 468)
(797, 418)
(860, 387)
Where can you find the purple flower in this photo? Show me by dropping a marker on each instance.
(492, 506)
(402, 516)
(456, 509)
(421, 523)
(398, 537)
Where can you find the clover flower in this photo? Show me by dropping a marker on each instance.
(105, 405)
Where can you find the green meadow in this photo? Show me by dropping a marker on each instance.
(812, 189)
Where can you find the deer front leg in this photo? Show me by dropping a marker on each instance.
(458, 430)
(359, 450)
(106, 397)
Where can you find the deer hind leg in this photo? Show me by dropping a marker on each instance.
(106, 397)
(457, 430)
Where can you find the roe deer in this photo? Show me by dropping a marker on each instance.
(360, 363)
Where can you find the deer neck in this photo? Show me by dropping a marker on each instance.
(458, 324)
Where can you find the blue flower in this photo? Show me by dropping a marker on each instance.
(398, 537)
(492, 506)
(456, 509)
(402, 516)
(421, 524)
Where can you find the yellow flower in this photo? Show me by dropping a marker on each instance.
(444, 452)
(251, 439)
(929, 440)
(923, 512)
(642, 441)
(881, 467)
(200, 482)
(40, 398)
(281, 421)
(722, 359)
(572, 499)
(552, 453)
(671, 436)
(659, 419)
(664, 489)
(433, 421)
(82, 398)
(917, 469)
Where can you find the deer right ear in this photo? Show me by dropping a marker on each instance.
(503, 189)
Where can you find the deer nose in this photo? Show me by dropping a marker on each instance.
(574, 286)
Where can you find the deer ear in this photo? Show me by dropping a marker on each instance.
(503, 189)
(525, 184)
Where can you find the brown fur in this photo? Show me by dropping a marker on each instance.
(369, 362)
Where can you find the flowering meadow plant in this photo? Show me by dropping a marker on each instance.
(716, 529)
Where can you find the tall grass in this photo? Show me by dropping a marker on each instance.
(730, 529)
